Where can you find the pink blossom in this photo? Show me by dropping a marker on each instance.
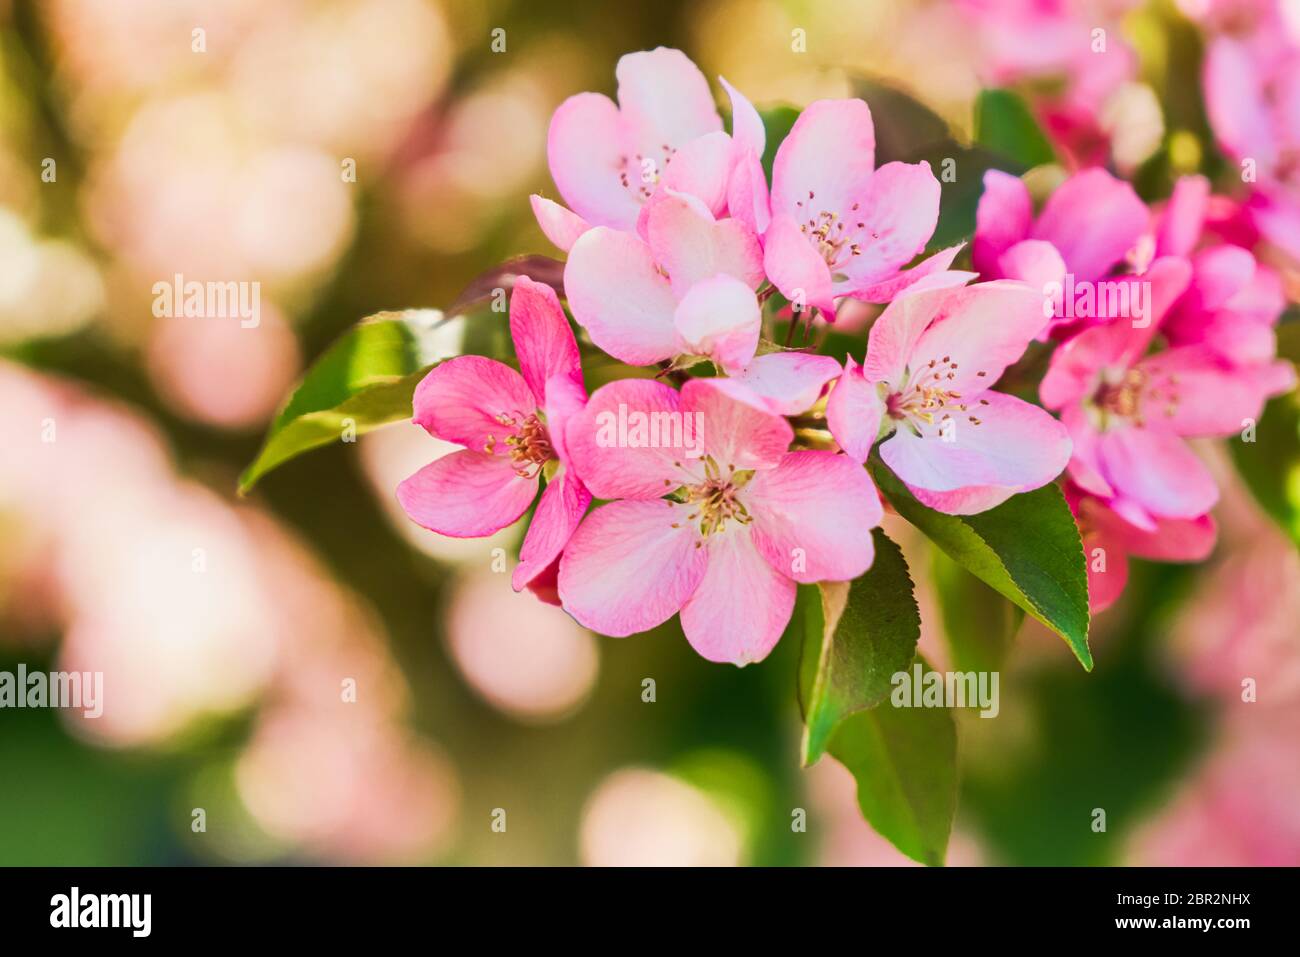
(1086, 228)
(747, 193)
(1108, 541)
(1233, 301)
(1252, 95)
(1074, 47)
(720, 529)
(840, 226)
(687, 287)
(512, 427)
(1128, 413)
(931, 358)
(609, 160)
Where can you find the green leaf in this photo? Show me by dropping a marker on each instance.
(905, 763)
(978, 623)
(1005, 125)
(857, 636)
(1027, 549)
(364, 380)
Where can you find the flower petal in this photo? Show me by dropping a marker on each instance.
(1194, 393)
(1085, 462)
(563, 503)
(1034, 261)
(619, 296)
(1002, 446)
(685, 240)
(895, 333)
(813, 515)
(1180, 223)
(747, 196)
(742, 604)
(631, 566)
(1002, 219)
(1107, 570)
(884, 290)
(544, 343)
(1158, 471)
(853, 412)
(1236, 103)
(586, 159)
(466, 494)
(747, 130)
(565, 398)
(630, 438)
(720, 318)
(789, 382)
(464, 399)
(795, 268)
(701, 168)
(747, 200)
(826, 162)
(664, 100)
(1092, 219)
(977, 332)
(561, 226)
(737, 429)
(898, 213)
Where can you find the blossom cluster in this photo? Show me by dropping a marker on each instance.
(726, 469)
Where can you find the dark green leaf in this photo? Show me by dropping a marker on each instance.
(857, 636)
(363, 381)
(1027, 549)
(905, 763)
(1005, 125)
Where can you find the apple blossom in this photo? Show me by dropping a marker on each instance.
(687, 287)
(608, 160)
(840, 226)
(721, 537)
(511, 425)
(924, 385)
(1088, 225)
(1129, 413)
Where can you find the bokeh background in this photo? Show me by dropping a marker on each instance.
(226, 628)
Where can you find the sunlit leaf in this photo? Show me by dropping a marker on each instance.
(364, 380)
